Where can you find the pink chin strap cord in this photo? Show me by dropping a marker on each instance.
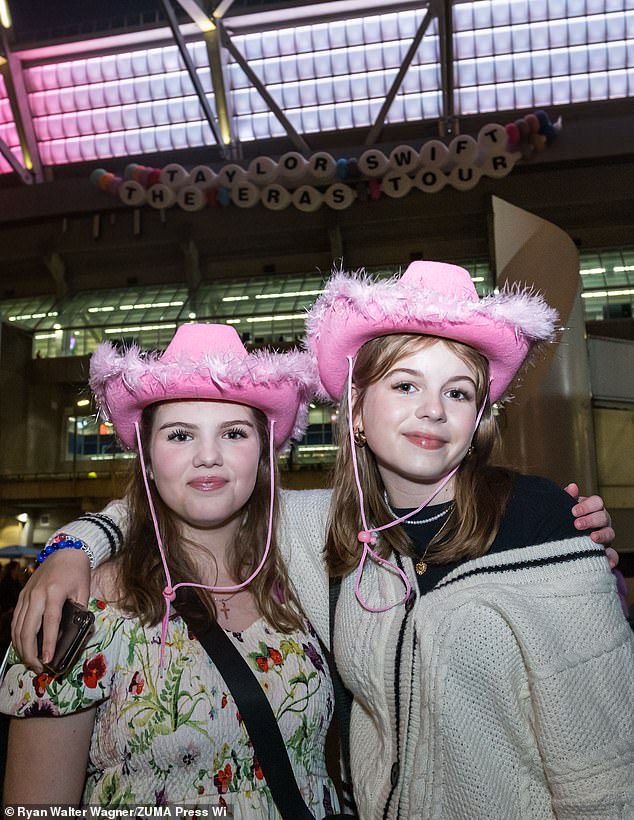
(169, 593)
(369, 537)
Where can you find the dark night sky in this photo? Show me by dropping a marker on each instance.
(52, 13)
(40, 16)
(37, 17)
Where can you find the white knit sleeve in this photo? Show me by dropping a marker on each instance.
(102, 533)
(582, 693)
(538, 706)
(302, 531)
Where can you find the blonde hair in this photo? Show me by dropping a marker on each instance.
(481, 490)
(141, 578)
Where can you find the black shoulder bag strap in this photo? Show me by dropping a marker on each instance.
(343, 705)
(264, 731)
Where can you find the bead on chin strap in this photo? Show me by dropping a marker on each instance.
(369, 536)
(169, 592)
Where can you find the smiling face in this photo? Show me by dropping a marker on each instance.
(419, 420)
(204, 459)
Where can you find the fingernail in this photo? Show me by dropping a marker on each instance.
(46, 656)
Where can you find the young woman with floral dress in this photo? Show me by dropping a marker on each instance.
(144, 717)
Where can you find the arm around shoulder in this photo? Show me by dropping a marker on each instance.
(305, 516)
(64, 574)
(102, 533)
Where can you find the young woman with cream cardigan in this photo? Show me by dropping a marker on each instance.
(480, 633)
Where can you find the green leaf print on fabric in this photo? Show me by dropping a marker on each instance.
(298, 739)
(175, 735)
(163, 706)
(112, 795)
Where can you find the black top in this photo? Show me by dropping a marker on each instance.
(538, 511)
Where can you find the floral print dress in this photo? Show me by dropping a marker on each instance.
(177, 736)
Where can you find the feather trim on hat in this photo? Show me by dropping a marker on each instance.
(260, 368)
(523, 309)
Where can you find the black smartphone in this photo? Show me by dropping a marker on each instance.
(74, 630)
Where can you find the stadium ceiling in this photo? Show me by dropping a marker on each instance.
(228, 79)
(207, 83)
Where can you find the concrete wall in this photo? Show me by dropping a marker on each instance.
(15, 354)
(614, 431)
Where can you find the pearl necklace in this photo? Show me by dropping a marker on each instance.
(436, 517)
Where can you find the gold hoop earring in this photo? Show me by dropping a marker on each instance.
(359, 437)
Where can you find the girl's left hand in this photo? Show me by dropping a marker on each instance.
(590, 514)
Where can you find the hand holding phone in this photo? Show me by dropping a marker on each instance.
(74, 630)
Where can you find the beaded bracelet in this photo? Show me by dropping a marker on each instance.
(63, 541)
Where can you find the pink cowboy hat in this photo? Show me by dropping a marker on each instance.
(430, 298)
(203, 362)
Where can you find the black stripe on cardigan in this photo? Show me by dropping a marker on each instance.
(108, 527)
(527, 564)
(397, 694)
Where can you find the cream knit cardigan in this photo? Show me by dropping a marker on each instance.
(514, 697)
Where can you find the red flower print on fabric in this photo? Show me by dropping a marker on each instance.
(136, 684)
(93, 670)
(275, 656)
(40, 682)
(223, 778)
(263, 663)
(257, 769)
(100, 604)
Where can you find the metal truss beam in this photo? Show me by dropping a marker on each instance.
(191, 70)
(398, 80)
(14, 162)
(213, 41)
(222, 8)
(202, 20)
(448, 123)
(216, 63)
(11, 70)
(297, 140)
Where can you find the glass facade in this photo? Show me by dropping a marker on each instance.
(264, 310)
(91, 444)
(608, 283)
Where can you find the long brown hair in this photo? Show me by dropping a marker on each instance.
(141, 578)
(481, 490)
